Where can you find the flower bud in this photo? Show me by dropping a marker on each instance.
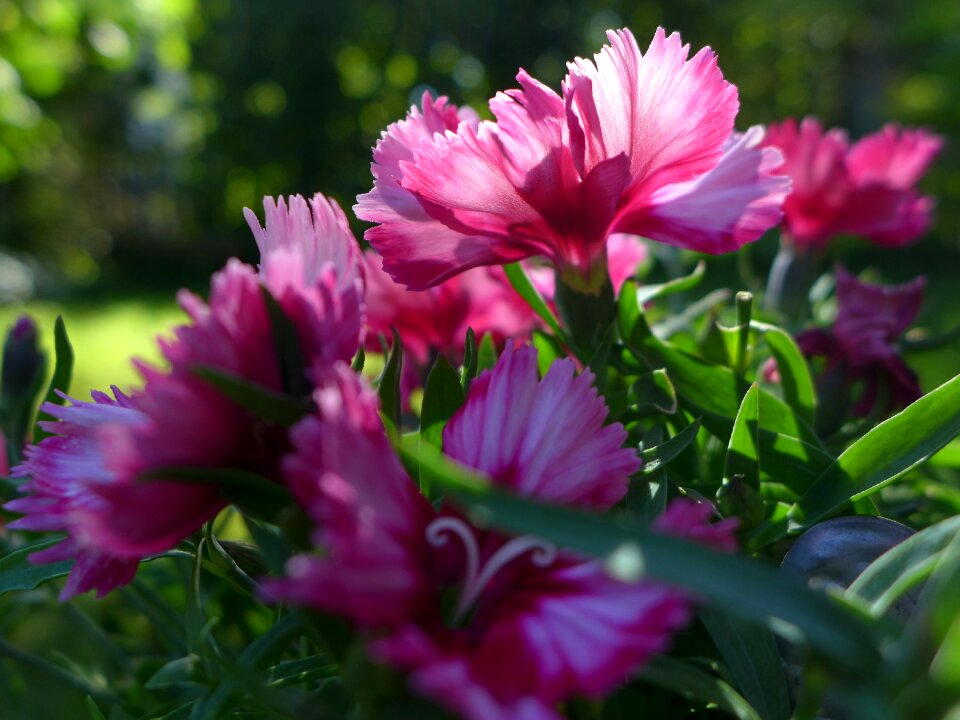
(23, 363)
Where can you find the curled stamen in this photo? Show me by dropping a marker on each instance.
(543, 554)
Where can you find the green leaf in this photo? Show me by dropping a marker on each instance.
(799, 391)
(18, 573)
(62, 373)
(743, 451)
(243, 675)
(886, 452)
(654, 392)
(793, 455)
(261, 401)
(359, 360)
(470, 351)
(745, 587)
(521, 283)
(487, 353)
(751, 655)
(692, 683)
(548, 350)
(656, 457)
(388, 385)
(903, 566)
(681, 284)
(442, 397)
(287, 345)
(94, 710)
(176, 672)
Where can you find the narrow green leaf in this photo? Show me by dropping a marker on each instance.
(882, 455)
(793, 455)
(94, 710)
(18, 573)
(391, 401)
(751, 655)
(521, 283)
(681, 284)
(654, 392)
(548, 350)
(182, 670)
(745, 587)
(799, 391)
(287, 345)
(470, 351)
(359, 360)
(486, 353)
(692, 683)
(62, 373)
(903, 566)
(261, 401)
(442, 397)
(743, 451)
(656, 457)
(245, 670)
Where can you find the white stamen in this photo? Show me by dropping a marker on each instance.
(543, 554)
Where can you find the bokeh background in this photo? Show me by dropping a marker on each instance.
(133, 132)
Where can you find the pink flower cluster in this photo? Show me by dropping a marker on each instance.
(868, 189)
(531, 624)
(486, 624)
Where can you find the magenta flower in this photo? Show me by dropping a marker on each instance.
(637, 144)
(101, 477)
(487, 625)
(861, 346)
(868, 189)
(60, 471)
(436, 320)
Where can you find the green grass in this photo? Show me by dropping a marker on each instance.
(104, 337)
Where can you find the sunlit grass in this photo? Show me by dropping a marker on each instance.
(104, 337)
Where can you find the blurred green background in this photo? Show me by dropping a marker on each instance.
(133, 132)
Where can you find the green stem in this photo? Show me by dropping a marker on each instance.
(744, 302)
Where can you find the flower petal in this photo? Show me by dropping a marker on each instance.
(870, 317)
(669, 115)
(545, 439)
(732, 204)
(893, 156)
(371, 518)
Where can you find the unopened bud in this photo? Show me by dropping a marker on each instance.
(23, 364)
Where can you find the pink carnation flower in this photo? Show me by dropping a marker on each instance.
(436, 320)
(487, 625)
(88, 480)
(637, 144)
(868, 189)
(862, 343)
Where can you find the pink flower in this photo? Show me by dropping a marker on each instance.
(868, 189)
(487, 625)
(437, 319)
(101, 477)
(60, 471)
(862, 343)
(638, 144)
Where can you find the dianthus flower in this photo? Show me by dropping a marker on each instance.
(487, 625)
(100, 477)
(437, 319)
(637, 144)
(867, 189)
(861, 347)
